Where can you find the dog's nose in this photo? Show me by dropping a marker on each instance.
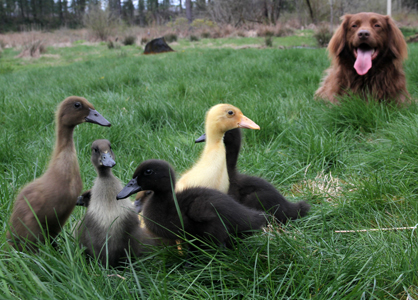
(363, 34)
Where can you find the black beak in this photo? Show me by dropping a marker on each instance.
(107, 160)
(95, 117)
(84, 199)
(201, 138)
(80, 201)
(131, 188)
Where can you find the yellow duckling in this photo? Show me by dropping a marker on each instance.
(210, 170)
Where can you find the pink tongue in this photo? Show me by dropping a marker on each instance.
(364, 61)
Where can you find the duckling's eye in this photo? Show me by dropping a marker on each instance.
(96, 150)
(148, 172)
(77, 105)
(230, 112)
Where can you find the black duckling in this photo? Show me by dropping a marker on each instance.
(205, 213)
(253, 191)
(52, 196)
(210, 170)
(110, 229)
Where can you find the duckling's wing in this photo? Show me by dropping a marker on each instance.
(201, 211)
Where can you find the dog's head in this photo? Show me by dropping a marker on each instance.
(365, 37)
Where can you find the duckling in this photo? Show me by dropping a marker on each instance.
(51, 197)
(210, 170)
(205, 213)
(253, 191)
(84, 200)
(110, 229)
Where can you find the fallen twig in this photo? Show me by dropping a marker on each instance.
(117, 275)
(376, 229)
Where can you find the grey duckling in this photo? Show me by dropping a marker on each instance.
(110, 230)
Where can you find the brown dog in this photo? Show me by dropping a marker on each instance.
(367, 52)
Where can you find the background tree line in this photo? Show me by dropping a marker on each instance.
(50, 14)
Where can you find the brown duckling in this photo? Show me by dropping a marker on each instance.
(110, 229)
(52, 196)
(253, 191)
(210, 170)
(206, 213)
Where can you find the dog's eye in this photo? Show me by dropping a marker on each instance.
(354, 25)
(377, 25)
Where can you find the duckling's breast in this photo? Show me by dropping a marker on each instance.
(108, 212)
(210, 171)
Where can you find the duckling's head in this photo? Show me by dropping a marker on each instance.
(153, 175)
(102, 156)
(76, 110)
(224, 117)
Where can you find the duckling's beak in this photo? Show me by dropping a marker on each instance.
(131, 188)
(95, 117)
(80, 201)
(247, 123)
(107, 160)
(84, 199)
(201, 138)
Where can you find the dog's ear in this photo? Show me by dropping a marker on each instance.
(396, 40)
(338, 40)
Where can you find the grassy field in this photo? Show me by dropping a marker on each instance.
(356, 164)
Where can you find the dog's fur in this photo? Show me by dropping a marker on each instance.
(385, 80)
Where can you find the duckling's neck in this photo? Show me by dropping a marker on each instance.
(214, 137)
(232, 141)
(104, 172)
(64, 140)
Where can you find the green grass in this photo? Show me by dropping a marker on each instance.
(156, 105)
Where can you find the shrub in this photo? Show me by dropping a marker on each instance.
(322, 35)
(78, 42)
(264, 31)
(282, 30)
(178, 24)
(113, 45)
(170, 37)
(144, 40)
(241, 33)
(268, 41)
(205, 35)
(100, 22)
(33, 49)
(129, 40)
(202, 23)
(194, 38)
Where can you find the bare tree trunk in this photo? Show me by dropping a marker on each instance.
(310, 11)
(331, 17)
(189, 11)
